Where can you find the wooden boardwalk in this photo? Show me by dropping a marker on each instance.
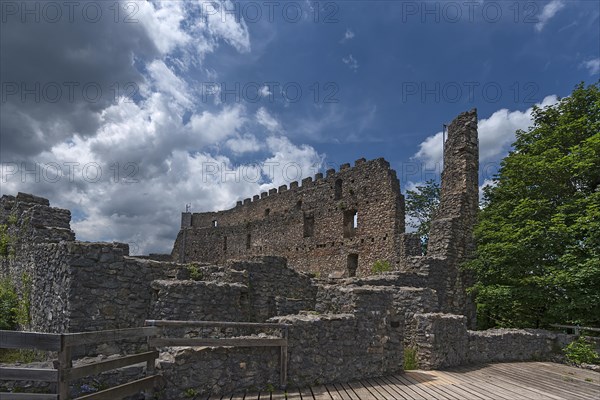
(506, 381)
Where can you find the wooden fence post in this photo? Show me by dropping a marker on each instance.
(64, 362)
(284, 358)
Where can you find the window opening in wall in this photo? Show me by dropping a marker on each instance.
(248, 241)
(352, 264)
(214, 223)
(338, 190)
(350, 223)
(309, 225)
(267, 212)
(299, 205)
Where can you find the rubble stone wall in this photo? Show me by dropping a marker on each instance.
(442, 341)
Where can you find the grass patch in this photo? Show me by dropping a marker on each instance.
(410, 359)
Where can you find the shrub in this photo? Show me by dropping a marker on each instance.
(4, 240)
(380, 266)
(581, 351)
(195, 273)
(9, 305)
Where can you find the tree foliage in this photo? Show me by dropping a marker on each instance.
(538, 254)
(421, 205)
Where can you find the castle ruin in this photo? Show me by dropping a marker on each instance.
(339, 329)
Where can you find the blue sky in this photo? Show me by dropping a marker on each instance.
(377, 79)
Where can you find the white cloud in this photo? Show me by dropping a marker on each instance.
(264, 91)
(593, 66)
(167, 82)
(548, 12)
(267, 120)
(243, 144)
(496, 134)
(212, 128)
(348, 35)
(289, 162)
(351, 62)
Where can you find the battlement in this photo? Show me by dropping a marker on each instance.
(319, 181)
(310, 181)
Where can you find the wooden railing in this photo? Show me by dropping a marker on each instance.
(576, 328)
(281, 342)
(65, 372)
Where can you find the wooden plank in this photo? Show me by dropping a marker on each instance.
(29, 340)
(576, 373)
(424, 390)
(238, 396)
(540, 382)
(101, 366)
(29, 374)
(306, 394)
(399, 389)
(348, 390)
(320, 393)
(487, 386)
(559, 378)
(218, 324)
(433, 383)
(361, 391)
(492, 385)
(443, 386)
(294, 394)
(27, 396)
(404, 390)
(375, 394)
(113, 335)
(384, 391)
(127, 389)
(278, 395)
(174, 342)
(333, 392)
(342, 392)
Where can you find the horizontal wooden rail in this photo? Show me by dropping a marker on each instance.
(76, 339)
(28, 396)
(127, 389)
(576, 328)
(29, 374)
(29, 340)
(259, 342)
(217, 324)
(71, 374)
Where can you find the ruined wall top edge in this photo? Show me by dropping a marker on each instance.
(306, 183)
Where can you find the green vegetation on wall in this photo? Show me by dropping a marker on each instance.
(381, 266)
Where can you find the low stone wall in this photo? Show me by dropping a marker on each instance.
(192, 371)
(442, 340)
(199, 301)
(340, 348)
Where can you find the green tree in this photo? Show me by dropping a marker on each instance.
(538, 236)
(421, 205)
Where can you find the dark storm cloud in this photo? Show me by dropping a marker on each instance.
(57, 77)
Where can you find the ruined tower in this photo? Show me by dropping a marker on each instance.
(451, 236)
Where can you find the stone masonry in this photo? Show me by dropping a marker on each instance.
(341, 223)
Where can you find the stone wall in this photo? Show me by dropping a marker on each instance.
(442, 341)
(311, 225)
(323, 347)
